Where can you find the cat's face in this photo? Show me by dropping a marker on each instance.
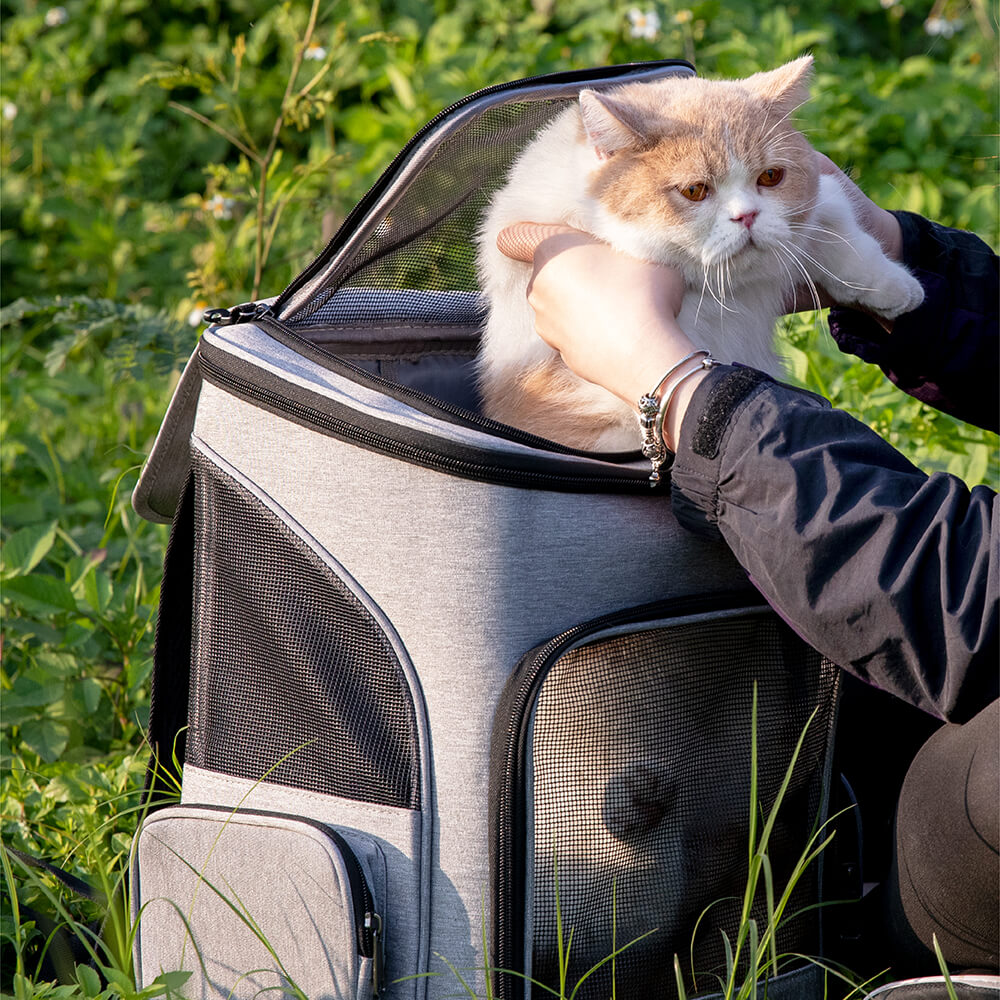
(710, 172)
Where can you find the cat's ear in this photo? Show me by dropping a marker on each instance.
(786, 87)
(610, 125)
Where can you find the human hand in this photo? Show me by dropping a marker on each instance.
(613, 318)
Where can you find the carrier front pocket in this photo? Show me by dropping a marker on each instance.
(254, 902)
(620, 794)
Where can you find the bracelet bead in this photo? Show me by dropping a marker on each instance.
(653, 407)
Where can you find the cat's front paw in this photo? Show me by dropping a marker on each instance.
(896, 292)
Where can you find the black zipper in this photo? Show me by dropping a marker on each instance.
(636, 481)
(361, 894)
(265, 319)
(508, 805)
(362, 208)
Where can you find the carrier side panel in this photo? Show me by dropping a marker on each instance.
(303, 701)
(622, 763)
(472, 575)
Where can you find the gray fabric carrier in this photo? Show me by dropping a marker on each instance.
(438, 687)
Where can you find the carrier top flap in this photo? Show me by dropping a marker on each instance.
(415, 228)
(399, 277)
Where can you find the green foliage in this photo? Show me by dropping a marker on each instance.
(160, 158)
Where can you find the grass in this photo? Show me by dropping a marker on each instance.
(107, 941)
(123, 211)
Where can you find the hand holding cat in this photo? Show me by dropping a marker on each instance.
(582, 288)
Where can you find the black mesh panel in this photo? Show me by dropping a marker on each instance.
(293, 681)
(427, 240)
(641, 769)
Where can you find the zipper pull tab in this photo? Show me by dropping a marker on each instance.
(244, 313)
(373, 924)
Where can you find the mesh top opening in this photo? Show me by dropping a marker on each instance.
(426, 241)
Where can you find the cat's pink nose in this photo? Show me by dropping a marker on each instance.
(746, 218)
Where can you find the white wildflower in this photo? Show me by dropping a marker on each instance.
(55, 16)
(220, 207)
(9, 110)
(196, 314)
(315, 51)
(886, 4)
(644, 23)
(942, 26)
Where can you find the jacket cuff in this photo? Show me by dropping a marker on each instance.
(694, 475)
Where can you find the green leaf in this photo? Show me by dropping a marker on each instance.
(47, 739)
(171, 981)
(88, 692)
(401, 87)
(89, 980)
(26, 548)
(40, 594)
(97, 590)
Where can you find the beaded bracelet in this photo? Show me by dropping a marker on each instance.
(653, 409)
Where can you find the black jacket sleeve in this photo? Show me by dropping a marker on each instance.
(891, 573)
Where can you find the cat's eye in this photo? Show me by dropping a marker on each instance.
(770, 177)
(695, 192)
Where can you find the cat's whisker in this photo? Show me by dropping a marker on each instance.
(784, 267)
(808, 227)
(711, 290)
(722, 294)
(847, 284)
(701, 299)
(810, 284)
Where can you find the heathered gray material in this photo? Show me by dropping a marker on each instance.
(196, 871)
(397, 832)
(471, 575)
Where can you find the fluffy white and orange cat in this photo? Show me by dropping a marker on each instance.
(707, 176)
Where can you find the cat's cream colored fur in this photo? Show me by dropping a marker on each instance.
(616, 165)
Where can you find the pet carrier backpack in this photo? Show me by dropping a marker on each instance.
(445, 694)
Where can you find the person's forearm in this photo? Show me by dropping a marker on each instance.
(889, 572)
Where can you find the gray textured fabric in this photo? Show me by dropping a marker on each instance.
(798, 984)
(472, 576)
(398, 833)
(410, 882)
(251, 344)
(221, 894)
(964, 987)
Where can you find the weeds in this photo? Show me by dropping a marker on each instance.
(124, 216)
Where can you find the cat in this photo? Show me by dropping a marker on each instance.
(706, 176)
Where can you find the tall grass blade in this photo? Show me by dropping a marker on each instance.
(948, 984)
(679, 980)
(604, 961)
(8, 878)
(241, 913)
